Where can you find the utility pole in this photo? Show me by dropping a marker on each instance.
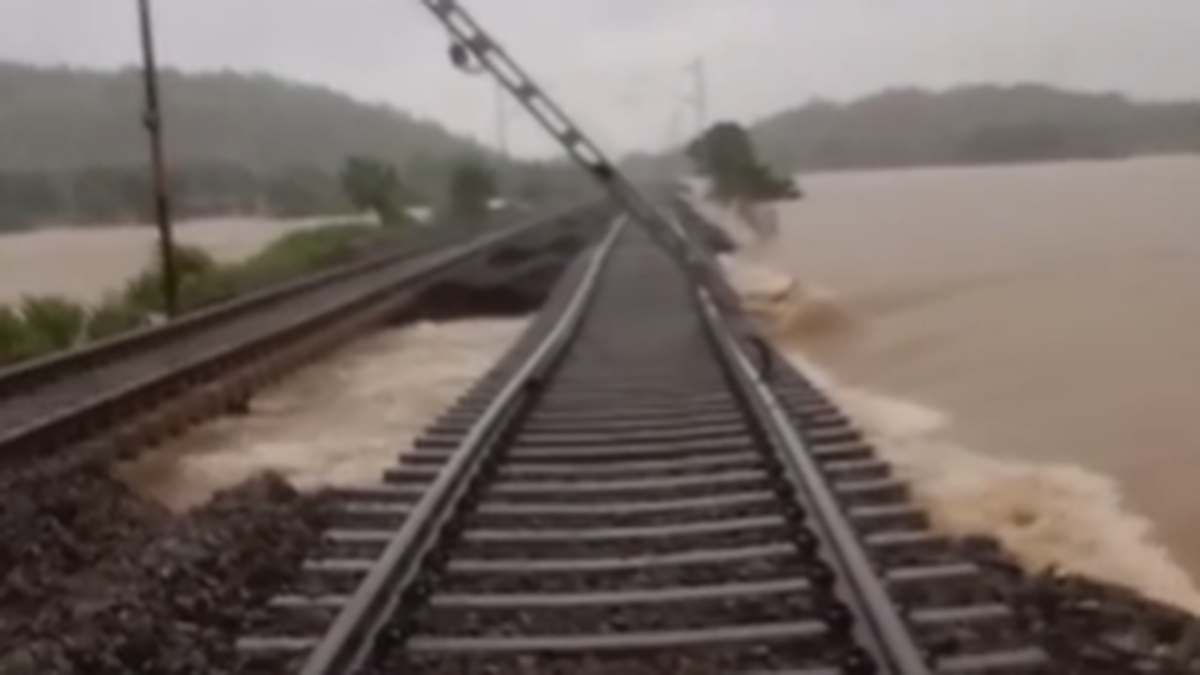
(152, 119)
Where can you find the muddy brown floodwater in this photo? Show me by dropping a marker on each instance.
(339, 422)
(1020, 341)
(1023, 340)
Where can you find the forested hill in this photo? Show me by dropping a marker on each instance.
(72, 148)
(59, 118)
(974, 125)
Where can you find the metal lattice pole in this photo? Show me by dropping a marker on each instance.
(471, 41)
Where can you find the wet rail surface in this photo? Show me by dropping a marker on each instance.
(105, 395)
(637, 487)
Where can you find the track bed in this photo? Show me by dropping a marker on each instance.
(617, 496)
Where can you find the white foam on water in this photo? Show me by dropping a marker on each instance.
(1046, 514)
(339, 422)
(784, 308)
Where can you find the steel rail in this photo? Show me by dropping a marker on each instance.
(885, 633)
(349, 640)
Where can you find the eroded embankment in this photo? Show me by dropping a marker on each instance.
(156, 564)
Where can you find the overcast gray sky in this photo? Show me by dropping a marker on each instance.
(619, 65)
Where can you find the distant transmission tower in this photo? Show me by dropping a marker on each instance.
(691, 102)
(700, 95)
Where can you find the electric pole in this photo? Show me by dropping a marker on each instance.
(152, 119)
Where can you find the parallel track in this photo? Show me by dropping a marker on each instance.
(116, 395)
(626, 492)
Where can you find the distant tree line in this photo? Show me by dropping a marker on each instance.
(122, 194)
(973, 125)
(72, 151)
(71, 144)
(465, 188)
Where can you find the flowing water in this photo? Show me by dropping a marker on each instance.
(1024, 343)
(339, 422)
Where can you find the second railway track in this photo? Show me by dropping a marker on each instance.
(118, 395)
(627, 492)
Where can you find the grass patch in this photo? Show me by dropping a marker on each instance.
(37, 326)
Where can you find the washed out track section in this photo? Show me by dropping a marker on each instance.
(132, 391)
(625, 502)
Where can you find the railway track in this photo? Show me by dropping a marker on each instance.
(637, 487)
(132, 391)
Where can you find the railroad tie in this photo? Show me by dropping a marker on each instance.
(652, 506)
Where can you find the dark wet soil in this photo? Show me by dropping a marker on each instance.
(1092, 628)
(97, 581)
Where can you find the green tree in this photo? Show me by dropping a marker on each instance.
(472, 188)
(727, 157)
(374, 186)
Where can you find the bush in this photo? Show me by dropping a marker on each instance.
(114, 316)
(209, 289)
(304, 252)
(315, 248)
(193, 266)
(51, 324)
(42, 325)
(12, 336)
